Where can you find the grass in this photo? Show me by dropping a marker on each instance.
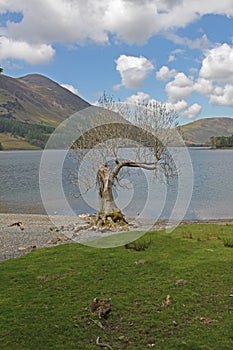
(45, 295)
(10, 142)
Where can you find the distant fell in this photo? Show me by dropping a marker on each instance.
(31, 106)
(200, 131)
(37, 99)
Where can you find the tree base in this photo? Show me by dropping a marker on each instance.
(113, 221)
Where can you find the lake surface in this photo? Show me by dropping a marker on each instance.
(212, 195)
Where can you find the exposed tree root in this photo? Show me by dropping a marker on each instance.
(114, 220)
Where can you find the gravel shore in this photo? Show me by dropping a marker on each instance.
(17, 239)
(21, 233)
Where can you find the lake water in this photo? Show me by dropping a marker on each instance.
(212, 195)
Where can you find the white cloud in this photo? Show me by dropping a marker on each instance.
(124, 18)
(133, 70)
(180, 88)
(140, 96)
(46, 22)
(182, 108)
(203, 86)
(218, 64)
(165, 73)
(171, 58)
(64, 21)
(33, 54)
(70, 88)
(222, 96)
(180, 105)
(199, 43)
(216, 76)
(193, 111)
(174, 53)
(172, 3)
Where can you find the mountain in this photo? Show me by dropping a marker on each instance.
(200, 131)
(33, 105)
(37, 99)
(30, 107)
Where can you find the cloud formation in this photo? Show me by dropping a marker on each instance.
(193, 111)
(218, 64)
(33, 54)
(133, 70)
(76, 21)
(216, 76)
(222, 96)
(140, 96)
(215, 81)
(70, 88)
(180, 88)
(199, 43)
(165, 73)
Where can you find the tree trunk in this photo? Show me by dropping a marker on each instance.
(108, 210)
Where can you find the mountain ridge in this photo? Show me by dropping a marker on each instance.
(199, 131)
(31, 107)
(37, 100)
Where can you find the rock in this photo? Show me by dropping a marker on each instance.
(22, 248)
(58, 240)
(181, 282)
(205, 320)
(92, 228)
(81, 228)
(103, 230)
(166, 302)
(84, 216)
(133, 224)
(68, 234)
(140, 262)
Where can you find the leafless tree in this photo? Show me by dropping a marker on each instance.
(145, 129)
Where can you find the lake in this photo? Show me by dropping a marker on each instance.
(212, 195)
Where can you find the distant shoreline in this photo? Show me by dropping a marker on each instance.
(198, 147)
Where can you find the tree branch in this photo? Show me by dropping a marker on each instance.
(132, 164)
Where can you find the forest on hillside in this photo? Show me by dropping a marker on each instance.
(221, 141)
(35, 134)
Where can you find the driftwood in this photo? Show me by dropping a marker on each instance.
(19, 224)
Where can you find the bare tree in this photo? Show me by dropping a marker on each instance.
(145, 129)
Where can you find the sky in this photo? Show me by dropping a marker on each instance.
(178, 52)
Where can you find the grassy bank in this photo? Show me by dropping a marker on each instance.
(45, 295)
(10, 143)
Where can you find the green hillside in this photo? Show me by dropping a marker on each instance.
(200, 131)
(29, 105)
(37, 99)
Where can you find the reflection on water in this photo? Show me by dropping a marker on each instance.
(212, 193)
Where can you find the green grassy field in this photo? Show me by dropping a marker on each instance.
(45, 295)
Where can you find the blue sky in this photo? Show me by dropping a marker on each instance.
(173, 51)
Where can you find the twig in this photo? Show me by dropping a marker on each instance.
(98, 323)
(103, 345)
